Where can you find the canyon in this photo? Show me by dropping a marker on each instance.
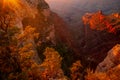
(88, 39)
(76, 29)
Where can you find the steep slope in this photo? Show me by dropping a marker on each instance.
(63, 33)
(112, 60)
(36, 13)
(51, 27)
(109, 68)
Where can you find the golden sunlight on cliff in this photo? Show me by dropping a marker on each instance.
(10, 3)
(18, 7)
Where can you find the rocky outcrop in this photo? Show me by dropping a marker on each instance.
(99, 21)
(112, 60)
(96, 38)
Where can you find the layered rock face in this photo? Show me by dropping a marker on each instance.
(112, 60)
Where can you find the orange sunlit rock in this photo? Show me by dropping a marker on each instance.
(99, 21)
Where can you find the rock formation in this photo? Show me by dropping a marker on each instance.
(51, 27)
(36, 13)
(99, 21)
(112, 60)
(101, 33)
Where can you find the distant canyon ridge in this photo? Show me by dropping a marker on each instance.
(73, 10)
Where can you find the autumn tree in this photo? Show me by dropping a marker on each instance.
(26, 53)
(8, 42)
(52, 65)
(75, 70)
(18, 59)
(18, 56)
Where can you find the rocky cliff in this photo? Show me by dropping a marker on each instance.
(112, 60)
(51, 27)
(36, 13)
(102, 22)
(101, 33)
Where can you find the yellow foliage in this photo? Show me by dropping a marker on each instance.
(29, 33)
(75, 70)
(52, 65)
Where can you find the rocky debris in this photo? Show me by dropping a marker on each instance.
(112, 60)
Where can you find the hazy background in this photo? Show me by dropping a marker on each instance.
(87, 5)
(72, 10)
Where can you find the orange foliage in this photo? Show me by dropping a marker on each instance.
(18, 63)
(75, 70)
(52, 65)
